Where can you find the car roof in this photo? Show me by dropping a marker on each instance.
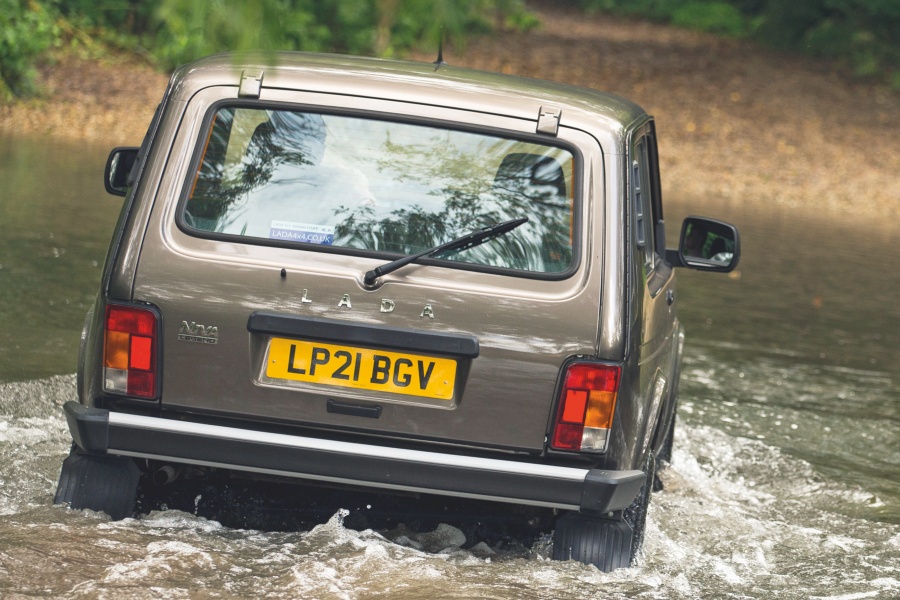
(427, 83)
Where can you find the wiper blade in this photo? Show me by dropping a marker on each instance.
(470, 240)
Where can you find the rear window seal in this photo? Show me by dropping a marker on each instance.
(206, 129)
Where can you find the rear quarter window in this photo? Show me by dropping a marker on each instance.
(327, 181)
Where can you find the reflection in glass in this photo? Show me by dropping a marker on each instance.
(382, 186)
(708, 241)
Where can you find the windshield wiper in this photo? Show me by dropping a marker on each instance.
(470, 240)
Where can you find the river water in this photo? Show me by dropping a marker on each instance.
(785, 480)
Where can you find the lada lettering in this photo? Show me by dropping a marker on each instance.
(386, 305)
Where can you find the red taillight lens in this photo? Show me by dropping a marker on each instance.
(129, 351)
(586, 407)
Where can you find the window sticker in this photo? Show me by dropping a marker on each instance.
(302, 232)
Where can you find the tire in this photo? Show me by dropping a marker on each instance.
(664, 457)
(102, 483)
(636, 514)
(608, 544)
(665, 452)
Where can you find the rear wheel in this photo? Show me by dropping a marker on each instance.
(665, 452)
(606, 543)
(664, 456)
(636, 514)
(98, 482)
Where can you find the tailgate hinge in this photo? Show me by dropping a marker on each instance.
(251, 82)
(548, 120)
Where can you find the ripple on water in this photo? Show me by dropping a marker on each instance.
(33, 436)
(740, 517)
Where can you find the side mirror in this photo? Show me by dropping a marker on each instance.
(707, 245)
(118, 168)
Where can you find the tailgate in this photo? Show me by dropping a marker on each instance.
(258, 255)
(482, 371)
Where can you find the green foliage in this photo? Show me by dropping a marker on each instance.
(862, 33)
(191, 29)
(715, 17)
(27, 29)
(92, 27)
(865, 34)
(657, 10)
(173, 32)
(783, 24)
(722, 17)
(126, 16)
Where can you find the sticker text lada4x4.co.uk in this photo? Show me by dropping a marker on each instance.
(302, 232)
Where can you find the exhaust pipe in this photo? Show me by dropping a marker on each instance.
(165, 475)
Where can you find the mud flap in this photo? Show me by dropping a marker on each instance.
(604, 543)
(101, 483)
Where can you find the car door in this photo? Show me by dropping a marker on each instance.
(655, 280)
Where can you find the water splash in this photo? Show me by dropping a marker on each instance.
(740, 517)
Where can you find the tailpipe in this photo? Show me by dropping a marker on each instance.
(166, 475)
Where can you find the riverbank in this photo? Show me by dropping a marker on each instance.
(108, 101)
(739, 126)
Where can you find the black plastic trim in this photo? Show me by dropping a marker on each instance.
(89, 426)
(599, 491)
(365, 470)
(603, 489)
(353, 410)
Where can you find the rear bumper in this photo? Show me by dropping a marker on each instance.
(590, 490)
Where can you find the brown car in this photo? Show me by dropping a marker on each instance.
(394, 275)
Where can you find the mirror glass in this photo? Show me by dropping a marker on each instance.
(708, 243)
(118, 167)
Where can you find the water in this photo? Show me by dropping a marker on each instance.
(785, 480)
(55, 225)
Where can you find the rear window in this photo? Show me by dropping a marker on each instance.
(327, 181)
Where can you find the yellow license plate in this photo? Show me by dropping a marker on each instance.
(361, 368)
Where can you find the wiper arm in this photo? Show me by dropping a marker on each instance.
(470, 240)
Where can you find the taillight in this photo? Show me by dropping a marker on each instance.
(586, 407)
(129, 351)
